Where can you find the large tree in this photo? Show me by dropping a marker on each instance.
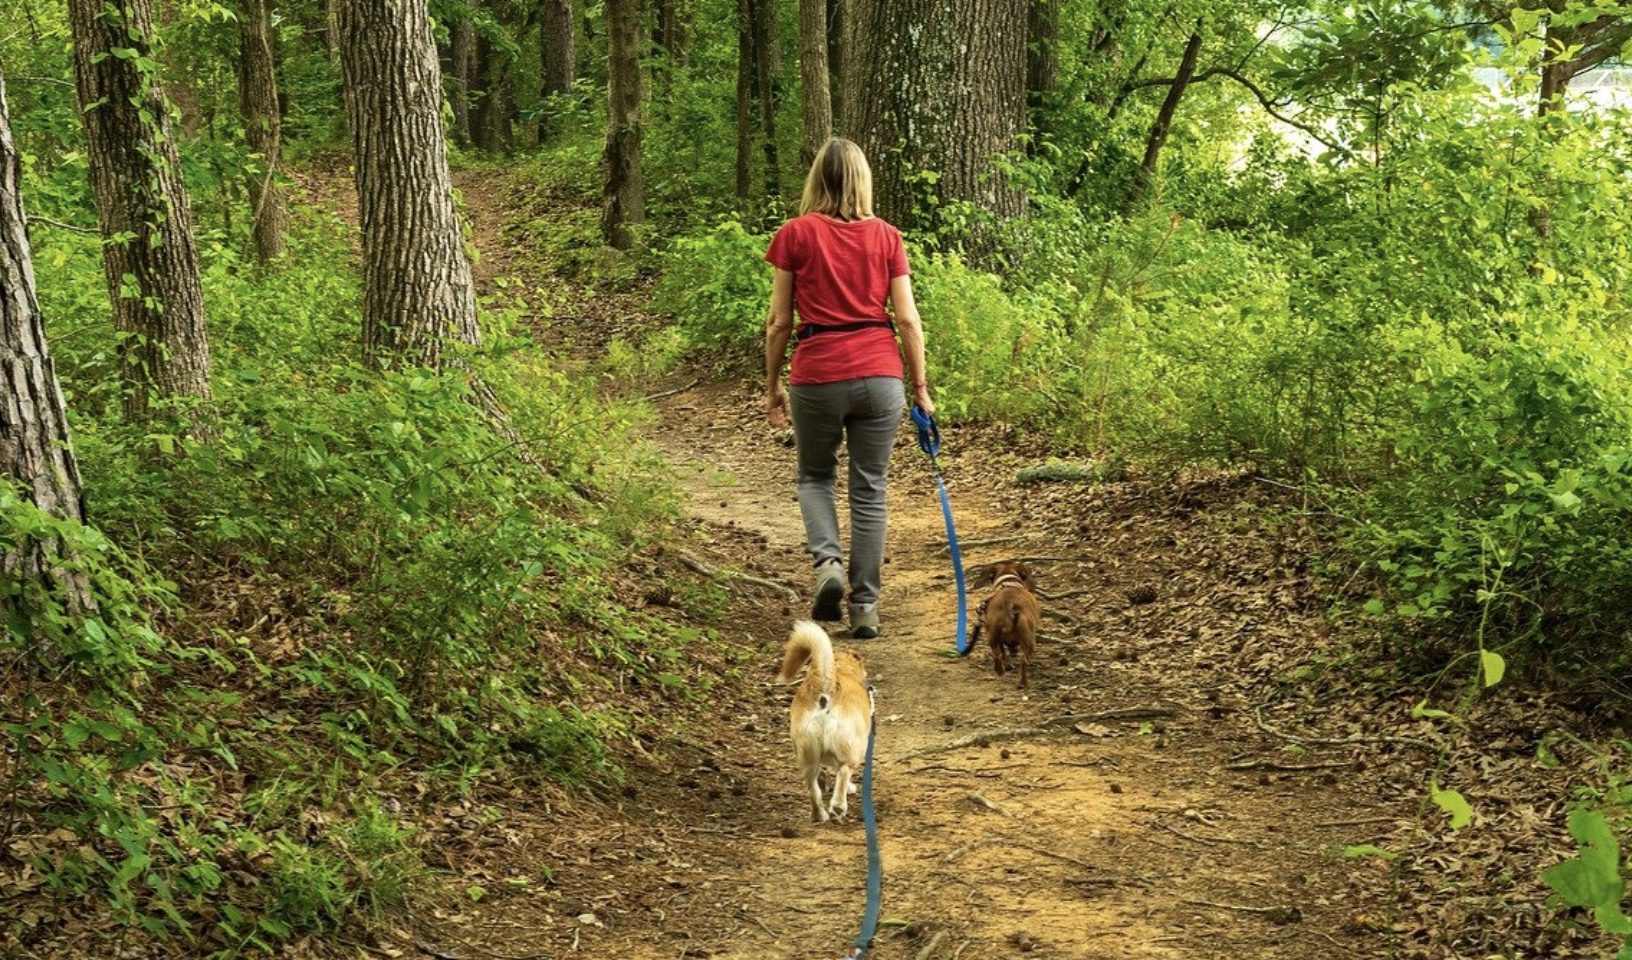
(35, 453)
(258, 105)
(816, 89)
(149, 259)
(417, 288)
(938, 87)
(623, 204)
(560, 59)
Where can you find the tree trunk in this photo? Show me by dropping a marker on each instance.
(624, 200)
(745, 101)
(149, 260)
(767, 64)
(675, 27)
(417, 290)
(1042, 52)
(1164, 117)
(813, 80)
(934, 86)
(495, 101)
(36, 454)
(461, 58)
(258, 105)
(560, 53)
(835, 50)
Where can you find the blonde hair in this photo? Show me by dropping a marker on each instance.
(840, 183)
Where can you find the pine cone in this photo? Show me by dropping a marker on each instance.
(1142, 594)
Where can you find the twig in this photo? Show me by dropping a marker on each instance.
(788, 593)
(669, 393)
(1210, 840)
(1238, 908)
(983, 739)
(60, 225)
(962, 849)
(929, 948)
(979, 800)
(1120, 713)
(747, 916)
(1258, 715)
(427, 948)
(1289, 767)
(1188, 836)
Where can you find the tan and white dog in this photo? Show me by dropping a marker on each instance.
(831, 714)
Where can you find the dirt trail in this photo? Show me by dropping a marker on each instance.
(1130, 839)
(1189, 833)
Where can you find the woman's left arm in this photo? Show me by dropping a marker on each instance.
(912, 341)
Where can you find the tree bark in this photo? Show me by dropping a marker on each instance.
(1042, 51)
(1164, 117)
(417, 289)
(767, 63)
(745, 101)
(461, 58)
(149, 259)
(624, 199)
(835, 50)
(36, 452)
(813, 80)
(934, 86)
(258, 105)
(494, 112)
(559, 48)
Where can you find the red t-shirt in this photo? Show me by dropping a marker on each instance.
(841, 275)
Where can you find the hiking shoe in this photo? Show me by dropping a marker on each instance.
(864, 621)
(829, 591)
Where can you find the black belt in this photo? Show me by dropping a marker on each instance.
(811, 329)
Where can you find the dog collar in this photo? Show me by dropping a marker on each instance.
(1007, 578)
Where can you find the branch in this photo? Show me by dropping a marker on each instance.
(60, 225)
(1269, 105)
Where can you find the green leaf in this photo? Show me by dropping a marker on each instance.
(1369, 850)
(1422, 711)
(1493, 666)
(1375, 607)
(475, 892)
(1593, 878)
(1452, 803)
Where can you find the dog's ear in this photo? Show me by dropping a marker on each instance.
(1026, 577)
(984, 575)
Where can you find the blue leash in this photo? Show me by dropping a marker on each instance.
(875, 866)
(929, 441)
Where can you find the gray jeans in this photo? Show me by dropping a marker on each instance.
(864, 414)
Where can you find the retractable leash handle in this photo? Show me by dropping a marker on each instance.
(929, 440)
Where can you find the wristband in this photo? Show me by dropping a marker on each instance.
(920, 384)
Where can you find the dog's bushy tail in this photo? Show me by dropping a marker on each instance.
(809, 644)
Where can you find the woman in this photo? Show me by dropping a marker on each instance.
(845, 272)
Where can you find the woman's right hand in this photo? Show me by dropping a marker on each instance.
(776, 405)
(920, 399)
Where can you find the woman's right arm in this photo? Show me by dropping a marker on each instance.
(912, 341)
(778, 331)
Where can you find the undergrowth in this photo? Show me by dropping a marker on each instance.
(359, 598)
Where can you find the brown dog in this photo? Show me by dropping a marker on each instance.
(830, 717)
(1009, 618)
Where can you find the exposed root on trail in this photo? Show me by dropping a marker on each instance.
(788, 593)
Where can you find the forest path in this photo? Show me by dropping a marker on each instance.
(1190, 833)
